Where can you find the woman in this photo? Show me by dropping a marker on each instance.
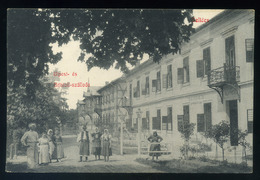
(106, 145)
(155, 139)
(51, 142)
(58, 151)
(44, 149)
(30, 140)
(96, 143)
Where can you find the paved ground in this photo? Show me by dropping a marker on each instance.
(117, 163)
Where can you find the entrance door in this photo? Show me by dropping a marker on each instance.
(230, 72)
(233, 115)
(230, 51)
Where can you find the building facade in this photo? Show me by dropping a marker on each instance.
(210, 80)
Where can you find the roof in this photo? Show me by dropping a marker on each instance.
(111, 83)
(92, 91)
(81, 102)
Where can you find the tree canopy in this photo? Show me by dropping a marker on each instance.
(108, 36)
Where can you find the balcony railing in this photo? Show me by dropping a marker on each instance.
(222, 75)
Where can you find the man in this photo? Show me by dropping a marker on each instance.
(83, 139)
(30, 140)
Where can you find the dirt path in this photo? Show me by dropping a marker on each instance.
(117, 163)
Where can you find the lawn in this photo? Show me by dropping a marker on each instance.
(195, 166)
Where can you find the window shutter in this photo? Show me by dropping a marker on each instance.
(144, 123)
(207, 60)
(164, 80)
(156, 123)
(186, 114)
(180, 122)
(164, 123)
(135, 92)
(207, 114)
(250, 120)
(169, 118)
(249, 50)
(154, 84)
(200, 68)
(180, 75)
(200, 123)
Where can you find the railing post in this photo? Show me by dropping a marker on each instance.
(121, 138)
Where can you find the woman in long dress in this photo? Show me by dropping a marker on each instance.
(51, 142)
(58, 151)
(96, 143)
(106, 150)
(155, 139)
(44, 157)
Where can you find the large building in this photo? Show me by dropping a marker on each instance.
(210, 80)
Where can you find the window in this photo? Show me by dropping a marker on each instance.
(183, 119)
(183, 74)
(249, 50)
(137, 89)
(169, 76)
(204, 121)
(204, 66)
(180, 122)
(157, 121)
(147, 85)
(167, 120)
(250, 120)
(158, 81)
(145, 122)
(186, 77)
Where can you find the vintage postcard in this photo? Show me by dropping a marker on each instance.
(130, 90)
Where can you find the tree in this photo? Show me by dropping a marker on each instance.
(186, 132)
(243, 142)
(124, 36)
(109, 36)
(220, 134)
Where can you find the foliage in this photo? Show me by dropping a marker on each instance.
(220, 134)
(243, 142)
(43, 110)
(116, 36)
(187, 131)
(106, 36)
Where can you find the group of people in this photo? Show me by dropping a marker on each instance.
(42, 150)
(101, 144)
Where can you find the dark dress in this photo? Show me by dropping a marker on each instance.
(58, 150)
(106, 150)
(96, 143)
(155, 147)
(84, 144)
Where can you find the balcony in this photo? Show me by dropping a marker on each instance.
(224, 75)
(98, 109)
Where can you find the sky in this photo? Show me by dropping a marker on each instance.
(96, 76)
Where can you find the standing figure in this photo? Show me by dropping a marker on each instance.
(96, 143)
(58, 151)
(155, 139)
(106, 145)
(51, 142)
(44, 157)
(83, 139)
(30, 139)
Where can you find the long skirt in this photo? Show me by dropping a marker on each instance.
(51, 150)
(96, 147)
(84, 148)
(32, 155)
(106, 150)
(155, 147)
(44, 154)
(58, 152)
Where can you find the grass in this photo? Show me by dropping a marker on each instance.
(195, 166)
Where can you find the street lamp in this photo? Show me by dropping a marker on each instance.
(139, 116)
